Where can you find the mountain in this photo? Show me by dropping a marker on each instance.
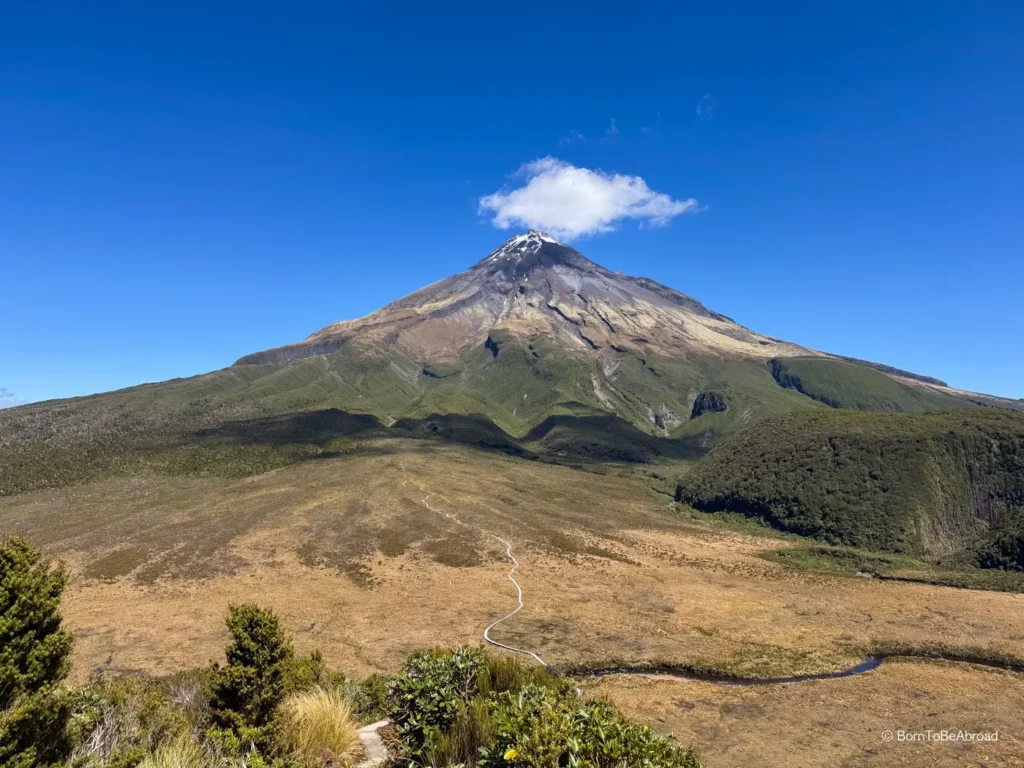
(574, 337)
(535, 350)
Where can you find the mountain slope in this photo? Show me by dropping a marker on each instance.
(533, 331)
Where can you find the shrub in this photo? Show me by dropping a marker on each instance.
(34, 650)
(34, 658)
(189, 692)
(471, 731)
(430, 692)
(33, 731)
(317, 728)
(499, 674)
(248, 690)
(533, 729)
(309, 672)
(116, 723)
(602, 737)
(540, 727)
(470, 709)
(369, 698)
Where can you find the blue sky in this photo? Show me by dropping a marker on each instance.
(183, 185)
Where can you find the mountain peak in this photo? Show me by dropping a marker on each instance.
(519, 246)
(533, 286)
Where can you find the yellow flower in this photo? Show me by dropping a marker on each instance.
(511, 754)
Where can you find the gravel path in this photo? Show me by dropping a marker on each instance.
(376, 752)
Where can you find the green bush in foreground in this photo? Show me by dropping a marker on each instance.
(34, 650)
(34, 658)
(33, 732)
(466, 708)
(248, 690)
(430, 692)
(541, 728)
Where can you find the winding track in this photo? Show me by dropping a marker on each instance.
(868, 665)
(519, 589)
(511, 577)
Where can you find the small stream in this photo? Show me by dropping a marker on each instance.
(869, 664)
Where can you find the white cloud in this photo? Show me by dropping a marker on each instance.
(7, 399)
(706, 107)
(613, 129)
(573, 135)
(567, 201)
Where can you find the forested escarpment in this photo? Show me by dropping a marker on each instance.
(927, 483)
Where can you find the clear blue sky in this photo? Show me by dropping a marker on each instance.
(181, 184)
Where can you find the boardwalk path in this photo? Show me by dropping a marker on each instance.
(511, 574)
(376, 752)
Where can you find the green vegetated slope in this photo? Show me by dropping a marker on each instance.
(842, 384)
(524, 396)
(505, 389)
(519, 383)
(923, 483)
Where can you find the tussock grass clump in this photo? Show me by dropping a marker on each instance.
(502, 673)
(472, 729)
(182, 752)
(318, 728)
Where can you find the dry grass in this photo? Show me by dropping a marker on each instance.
(357, 565)
(319, 727)
(836, 722)
(182, 752)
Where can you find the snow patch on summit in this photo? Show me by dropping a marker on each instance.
(519, 246)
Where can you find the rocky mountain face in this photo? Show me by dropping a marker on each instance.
(534, 286)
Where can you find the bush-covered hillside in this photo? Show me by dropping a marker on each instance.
(842, 384)
(935, 482)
